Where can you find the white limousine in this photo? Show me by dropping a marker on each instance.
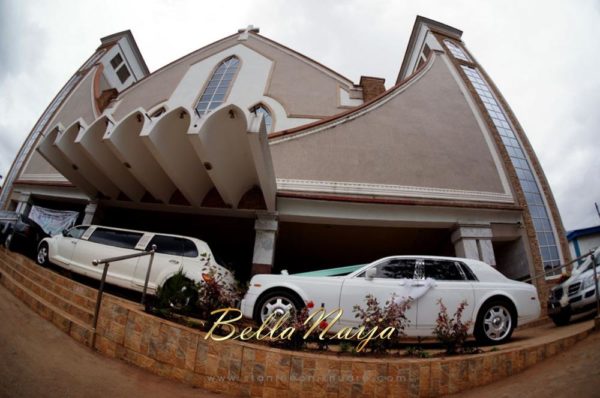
(495, 304)
(77, 247)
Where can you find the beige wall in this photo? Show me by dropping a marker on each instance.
(159, 86)
(300, 87)
(38, 165)
(79, 105)
(426, 136)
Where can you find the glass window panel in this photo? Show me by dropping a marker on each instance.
(396, 269)
(546, 253)
(215, 91)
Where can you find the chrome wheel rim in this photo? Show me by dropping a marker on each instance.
(181, 301)
(42, 255)
(497, 323)
(276, 306)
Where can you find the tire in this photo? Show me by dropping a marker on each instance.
(562, 318)
(183, 295)
(279, 301)
(42, 255)
(495, 322)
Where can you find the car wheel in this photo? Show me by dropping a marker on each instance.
(8, 242)
(42, 255)
(277, 302)
(495, 322)
(182, 295)
(562, 318)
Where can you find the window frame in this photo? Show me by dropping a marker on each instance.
(227, 92)
(269, 111)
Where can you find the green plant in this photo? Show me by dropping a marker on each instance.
(392, 314)
(177, 294)
(452, 332)
(417, 351)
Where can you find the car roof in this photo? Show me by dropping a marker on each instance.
(143, 232)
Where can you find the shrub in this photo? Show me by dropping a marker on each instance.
(417, 351)
(375, 316)
(178, 294)
(452, 332)
(213, 294)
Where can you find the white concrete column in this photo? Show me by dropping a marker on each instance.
(265, 226)
(474, 241)
(23, 202)
(90, 211)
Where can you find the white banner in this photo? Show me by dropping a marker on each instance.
(53, 222)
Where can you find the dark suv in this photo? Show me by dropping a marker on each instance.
(22, 234)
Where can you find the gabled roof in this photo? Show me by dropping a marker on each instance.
(110, 39)
(433, 25)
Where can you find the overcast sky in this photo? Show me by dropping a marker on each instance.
(542, 55)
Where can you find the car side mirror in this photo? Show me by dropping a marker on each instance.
(370, 274)
(64, 232)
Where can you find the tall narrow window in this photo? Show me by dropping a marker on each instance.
(525, 173)
(457, 51)
(218, 86)
(260, 109)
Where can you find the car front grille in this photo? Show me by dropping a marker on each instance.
(574, 288)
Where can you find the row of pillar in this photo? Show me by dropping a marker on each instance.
(470, 241)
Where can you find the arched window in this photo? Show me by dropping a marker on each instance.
(218, 86)
(260, 109)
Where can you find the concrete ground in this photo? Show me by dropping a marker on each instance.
(38, 360)
(574, 373)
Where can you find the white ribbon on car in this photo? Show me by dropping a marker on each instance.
(415, 288)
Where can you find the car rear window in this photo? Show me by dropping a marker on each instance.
(173, 245)
(112, 237)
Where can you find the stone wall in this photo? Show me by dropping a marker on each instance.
(168, 349)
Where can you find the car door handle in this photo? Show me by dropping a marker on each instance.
(174, 261)
(418, 284)
(74, 242)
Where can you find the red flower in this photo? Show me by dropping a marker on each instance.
(323, 325)
(310, 304)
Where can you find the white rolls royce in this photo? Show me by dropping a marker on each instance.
(77, 247)
(495, 304)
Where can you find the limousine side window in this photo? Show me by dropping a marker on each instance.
(396, 269)
(76, 232)
(173, 245)
(111, 237)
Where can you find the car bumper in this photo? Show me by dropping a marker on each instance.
(578, 303)
(247, 305)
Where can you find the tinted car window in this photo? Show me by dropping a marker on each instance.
(396, 269)
(173, 245)
(76, 232)
(189, 248)
(442, 270)
(468, 273)
(111, 237)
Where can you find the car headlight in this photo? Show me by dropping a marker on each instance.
(588, 281)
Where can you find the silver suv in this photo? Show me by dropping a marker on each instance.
(575, 296)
